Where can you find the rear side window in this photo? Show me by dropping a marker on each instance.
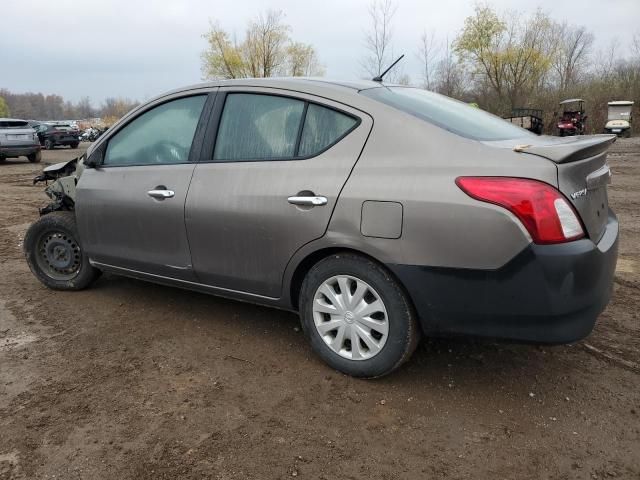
(162, 135)
(452, 115)
(322, 128)
(258, 127)
(13, 124)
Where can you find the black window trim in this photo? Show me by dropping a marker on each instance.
(216, 117)
(194, 151)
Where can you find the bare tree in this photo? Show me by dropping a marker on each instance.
(223, 58)
(510, 54)
(428, 54)
(606, 60)
(378, 37)
(449, 73)
(266, 51)
(302, 61)
(573, 46)
(266, 38)
(635, 44)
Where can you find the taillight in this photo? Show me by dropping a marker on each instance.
(544, 211)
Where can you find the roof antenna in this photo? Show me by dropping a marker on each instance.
(379, 77)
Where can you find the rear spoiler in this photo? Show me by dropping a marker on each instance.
(570, 149)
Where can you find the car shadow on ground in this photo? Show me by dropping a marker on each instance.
(451, 362)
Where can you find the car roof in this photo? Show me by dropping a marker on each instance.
(571, 100)
(11, 120)
(621, 102)
(311, 85)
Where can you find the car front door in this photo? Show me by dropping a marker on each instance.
(130, 208)
(268, 183)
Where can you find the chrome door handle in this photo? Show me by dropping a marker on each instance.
(308, 201)
(161, 194)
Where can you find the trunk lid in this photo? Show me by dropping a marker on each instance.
(583, 174)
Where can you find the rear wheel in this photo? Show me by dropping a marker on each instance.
(35, 157)
(627, 133)
(48, 144)
(357, 317)
(54, 253)
(74, 145)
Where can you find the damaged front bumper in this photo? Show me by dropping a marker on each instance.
(62, 191)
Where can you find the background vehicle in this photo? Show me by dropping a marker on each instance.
(51, 136)
(92, 134)
(619, 118)
(527, 118)
(572, 121)
(377, 212)
(18, 139)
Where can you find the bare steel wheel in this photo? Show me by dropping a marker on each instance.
(59, 255)
(350, 317)
(357, 316)
(55, 255)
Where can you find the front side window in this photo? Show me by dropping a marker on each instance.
(322, 128)
(452, 115)
(162, 135)
(258, 127)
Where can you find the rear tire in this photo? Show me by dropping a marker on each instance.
(54, 254)
(35, 157)
(48, 144)
(377, 315)
(74, 145)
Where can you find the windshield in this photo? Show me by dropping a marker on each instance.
(452, 115)
(619, 112)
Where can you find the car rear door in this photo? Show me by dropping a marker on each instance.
(130, 209)
(271, 174)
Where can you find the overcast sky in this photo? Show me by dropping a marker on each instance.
(105, 48)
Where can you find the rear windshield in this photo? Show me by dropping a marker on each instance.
(13, 124)
(452, 115)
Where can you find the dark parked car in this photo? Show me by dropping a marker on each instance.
(377, 212)
(51, 136)
(18, 139)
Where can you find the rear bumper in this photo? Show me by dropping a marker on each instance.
(18, 150)
(617, 130)
(65, 141)
(546, 294)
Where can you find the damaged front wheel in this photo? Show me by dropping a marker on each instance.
(54, 253)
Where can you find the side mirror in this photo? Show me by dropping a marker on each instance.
(95, 159)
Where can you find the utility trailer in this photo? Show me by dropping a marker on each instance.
(527, 118)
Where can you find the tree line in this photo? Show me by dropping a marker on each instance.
(37, 106)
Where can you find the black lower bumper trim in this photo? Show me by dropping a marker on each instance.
(546, 294)
(22, 151)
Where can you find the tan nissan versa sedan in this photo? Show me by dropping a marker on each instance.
(378, 212)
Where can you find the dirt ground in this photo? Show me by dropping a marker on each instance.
(129, 380)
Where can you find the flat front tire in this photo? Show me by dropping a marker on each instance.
(357, 317)
(54, 253)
